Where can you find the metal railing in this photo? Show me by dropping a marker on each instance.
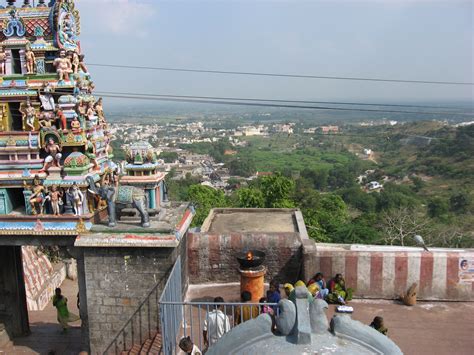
(170, 317)
(196, 315)
(144, 324)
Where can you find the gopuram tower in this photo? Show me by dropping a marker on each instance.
(59, 186)
(53, 131)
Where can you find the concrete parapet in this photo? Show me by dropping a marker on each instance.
(387, 271)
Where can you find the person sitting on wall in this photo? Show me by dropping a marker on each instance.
(378, 325)
(245, 312)
(338, 293)
(319, 280)
(187, 345)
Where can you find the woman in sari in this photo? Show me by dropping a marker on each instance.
(64, 316)
(338, 293)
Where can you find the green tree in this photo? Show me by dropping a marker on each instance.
(205, 198)
(277, 191)
(250, 198)
(460, 202)
(437, 207)
(242, 167)
(168, 157)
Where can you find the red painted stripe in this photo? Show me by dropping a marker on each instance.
(426, 273)
(214, 250)
(376, 273)
(325, 263)
(351, 271)
(193, 254)
(452, 275)
(236, 242)
(401, 273)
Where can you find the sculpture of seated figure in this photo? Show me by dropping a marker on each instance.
(54, 157)
(37, 196)
(46, 122)
(63, 66)
(76, 126)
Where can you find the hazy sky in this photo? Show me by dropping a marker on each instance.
(401, 39)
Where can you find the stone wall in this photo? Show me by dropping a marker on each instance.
(212, 257)
(117, 281)
(386, 272)
(13, 309)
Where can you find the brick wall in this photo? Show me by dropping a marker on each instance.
(117, 281)
(212, 257)
(386, 272)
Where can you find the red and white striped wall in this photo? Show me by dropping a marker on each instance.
(40, 278)
(387, 272)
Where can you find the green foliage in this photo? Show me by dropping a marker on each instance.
(205, 198)
(460, 202)
(277, 191)
(250, 198)
(178, 189)
(396, 196)
(168, 157)
(242, 167)
(359, 199)
(437, 207)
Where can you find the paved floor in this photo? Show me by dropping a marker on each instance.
(434, 328)
(46, 333)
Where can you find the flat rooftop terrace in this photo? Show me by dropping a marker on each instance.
(435, 328)
(248, 220)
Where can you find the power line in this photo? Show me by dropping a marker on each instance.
(189, 99)
(300, 76)
(278, 100)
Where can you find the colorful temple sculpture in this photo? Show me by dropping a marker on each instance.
(54, 136)
(141, 170)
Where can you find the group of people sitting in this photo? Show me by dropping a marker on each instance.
(334, 292)
(217, 323)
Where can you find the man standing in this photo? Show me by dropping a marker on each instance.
(216, 324)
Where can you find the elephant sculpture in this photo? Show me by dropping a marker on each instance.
(121, 196)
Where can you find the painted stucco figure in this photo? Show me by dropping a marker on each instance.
(121, 196)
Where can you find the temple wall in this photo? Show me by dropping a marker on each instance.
(386, 272)
(118, 280)
(212, 257)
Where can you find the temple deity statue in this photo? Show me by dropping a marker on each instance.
(99, 109)
(91, 153)
(3, 58)
(82, 65)
(46, 97)
(63, 66)
(55, 198)
(75, 62)
(29, 115)
(37, 195)
(30, 61)
(76, 126)
(61, 117)
(77, 198)
(54, 157)
(46, 121)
